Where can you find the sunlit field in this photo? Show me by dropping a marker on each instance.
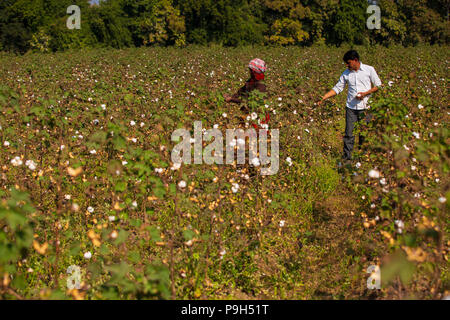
(87, 179)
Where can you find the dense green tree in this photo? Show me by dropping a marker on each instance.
(349, 22)
(393, 24)
(423, 23)
(286, 21)
(41, 24)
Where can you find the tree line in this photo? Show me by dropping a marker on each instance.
(40, 25)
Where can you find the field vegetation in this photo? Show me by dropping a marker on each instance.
(86, 177)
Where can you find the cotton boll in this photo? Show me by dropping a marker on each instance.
(374, 174)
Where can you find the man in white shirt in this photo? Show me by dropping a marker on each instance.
(360, 78)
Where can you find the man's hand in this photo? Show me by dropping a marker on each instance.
(328, 95)
(361, 95)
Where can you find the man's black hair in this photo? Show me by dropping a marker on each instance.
(351, 55)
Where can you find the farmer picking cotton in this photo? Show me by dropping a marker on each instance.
(362, 81)
(257, 69)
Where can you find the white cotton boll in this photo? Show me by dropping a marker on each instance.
(87, 255)
(383, 181)
(31, 165)
(103, 106)
(374, 174)
(224, 115)
(399, 224)
(256, 162)
(413, 168)
(6, 143)
(416, 134)
(358, 165)
(159, 170)
(142, 124)
(216, 126)
(175, 166)
(442, 199)
(420, 106)
(93, 151)
(67, 197)
(289, 161)
(112, 218)
(406, 148)
(280, 99)
(16, 162)
(134, 204)
(372, 206)
(254, 115)
(124, 163)
(235, 187)
(90, 209)
(132, 123)
(266, 106)
(282, 223)
(182, 184)
(307, 130)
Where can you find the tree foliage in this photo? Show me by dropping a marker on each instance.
(40, 25)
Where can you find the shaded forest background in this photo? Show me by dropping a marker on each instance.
(40, 25)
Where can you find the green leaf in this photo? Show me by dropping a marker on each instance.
(120, 186)
(121, 237)
(188, 234)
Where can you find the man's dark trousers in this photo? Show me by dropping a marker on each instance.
(351, 117)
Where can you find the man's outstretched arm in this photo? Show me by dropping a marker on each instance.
(338, 88)
(328, 95)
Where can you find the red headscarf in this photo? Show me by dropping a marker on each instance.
(257, 76)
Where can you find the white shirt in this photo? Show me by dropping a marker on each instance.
(358, 81)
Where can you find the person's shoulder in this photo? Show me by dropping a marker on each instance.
(346, 72)
(368, 67)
